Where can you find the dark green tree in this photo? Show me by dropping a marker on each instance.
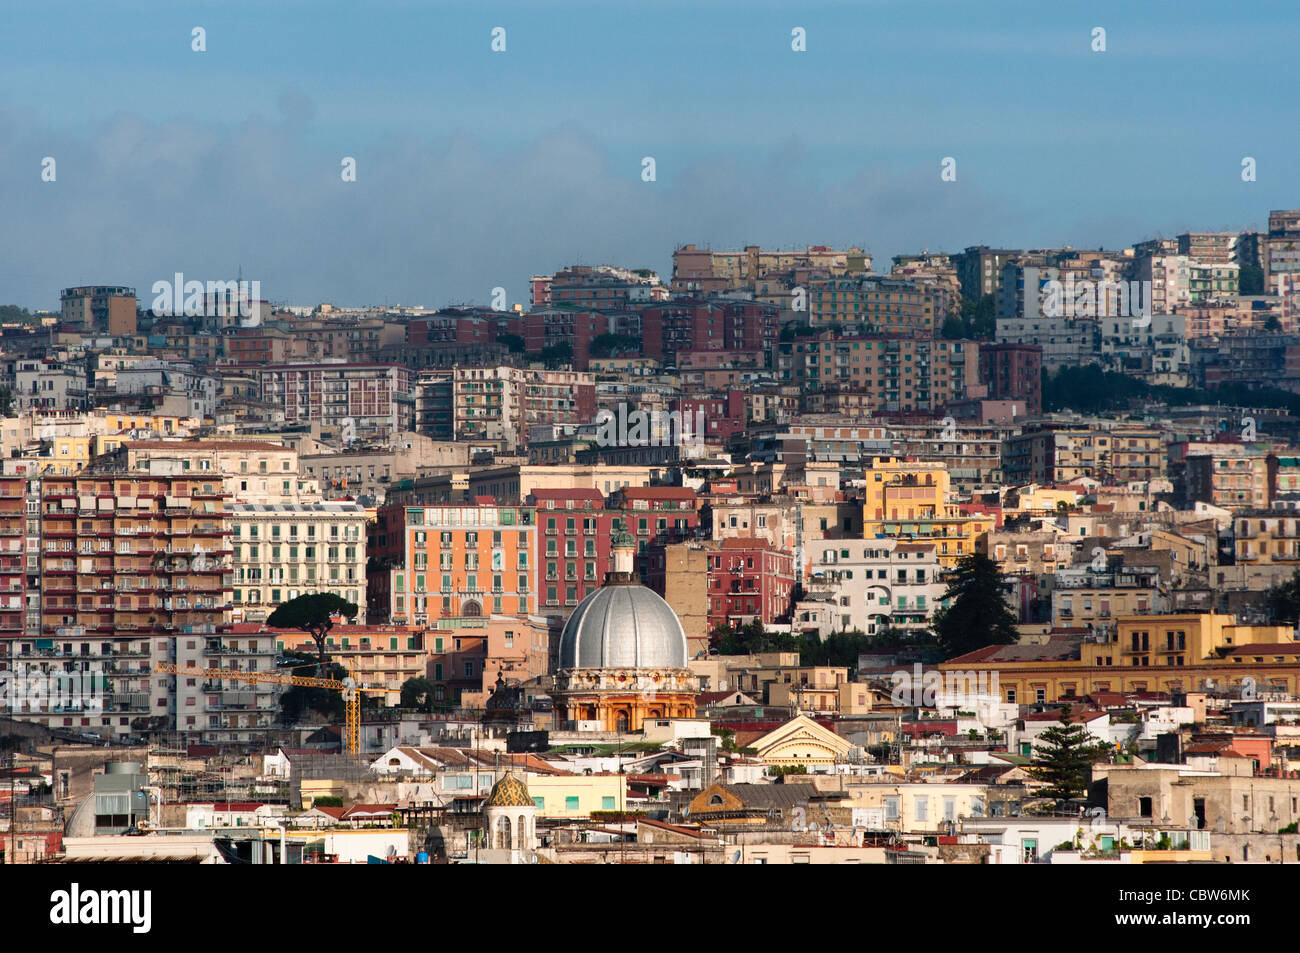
(751, 638)
(975, 613)
(557, 355)
(1064, 758)
(314, 614)
(1283, 600)
(417, 693)
(1250, 280)
(325, 702)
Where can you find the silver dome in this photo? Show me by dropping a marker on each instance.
(623, 626)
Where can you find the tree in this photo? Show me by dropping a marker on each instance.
(1284, 600)
(557, 355)
(417, 693)
(752, 638)
(1250, 280)
(314, 614)
(976, 615)
(1064, 758)
(298, 700)
(513, 342)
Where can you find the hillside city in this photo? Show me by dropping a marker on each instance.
(983, 557)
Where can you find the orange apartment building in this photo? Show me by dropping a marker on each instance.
(437, 562)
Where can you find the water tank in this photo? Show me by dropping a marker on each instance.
(122, 767)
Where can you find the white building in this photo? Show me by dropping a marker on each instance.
(286, 550)
(875, 583)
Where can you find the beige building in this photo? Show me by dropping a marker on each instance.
(254, 471)
(286, 550)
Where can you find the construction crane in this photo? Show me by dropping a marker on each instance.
(348, 686)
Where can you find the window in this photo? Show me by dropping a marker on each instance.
(571, 803)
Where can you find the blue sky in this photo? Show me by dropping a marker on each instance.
(477, 169)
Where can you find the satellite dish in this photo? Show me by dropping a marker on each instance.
(735, 857)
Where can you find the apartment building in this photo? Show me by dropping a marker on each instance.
(908, 500)
(359, 399)
(575, 531)
(499, 405)
(1146, 653)
(875, 584)
(132, 565)
(702, 270)
(897, 373)
(467, 657)
(979, 269)
(254, 471)
(49, 384)
(379, 656)
(1267, 537)
(103, 309)
(435, 562)
(286, 550)
(1050, 451)
(13, 561)
(749, 580)
(1013, 372)
(131, 552)
(880, 305)
(1223, 474)
(216, 711)
(657, 514)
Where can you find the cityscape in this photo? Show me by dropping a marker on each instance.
(784, 557)
(719, 435)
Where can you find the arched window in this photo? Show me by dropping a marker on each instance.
(471, 610)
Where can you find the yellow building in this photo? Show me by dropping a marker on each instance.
(577, 795)
(1267, 537)
(1145, 653)
(908, 500)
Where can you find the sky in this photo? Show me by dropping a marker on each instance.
(476, 169)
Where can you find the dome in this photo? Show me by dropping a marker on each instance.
(509, 792)
(623, 626)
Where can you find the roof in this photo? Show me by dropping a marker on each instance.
(368, 810)
(657, 493)
(767, 796)
(1075, 715)
(1265, 648)
(510, 791)
(1051, 651)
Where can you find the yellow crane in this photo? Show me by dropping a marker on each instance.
(348, 686)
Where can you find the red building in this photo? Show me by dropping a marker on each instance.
(554, 327)
(722, 416)
(1014, 372)
(463, 326)
(657, 514)
(672, 328)
(574, 530)
(13, 571)
(749, 579)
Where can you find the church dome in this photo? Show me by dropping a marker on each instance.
(509, 792)
(623, 625)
